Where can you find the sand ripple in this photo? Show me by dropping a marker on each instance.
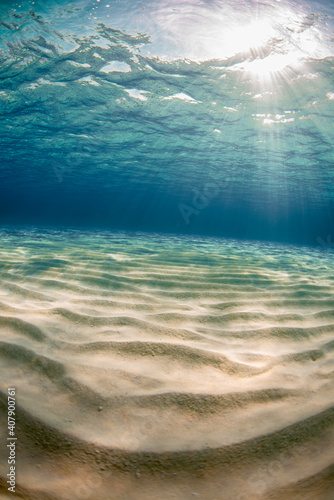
(159, 367)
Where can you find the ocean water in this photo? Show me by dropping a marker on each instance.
(208, 117)
(166, 249)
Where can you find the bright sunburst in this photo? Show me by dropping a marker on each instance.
(265, 39)
(250, 36)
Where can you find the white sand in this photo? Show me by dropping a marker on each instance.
(158, 368)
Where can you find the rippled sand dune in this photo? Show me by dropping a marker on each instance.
(157, 367)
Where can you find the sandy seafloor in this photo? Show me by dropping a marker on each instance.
(166, 367)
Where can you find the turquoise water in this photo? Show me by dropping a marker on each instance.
(166, 248)
(188, 117)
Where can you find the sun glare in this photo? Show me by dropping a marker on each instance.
(273, 46)
(272, 39)
(252, 36)
(266, 68)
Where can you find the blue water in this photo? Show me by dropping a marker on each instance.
(166, 237)
(210, 118)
